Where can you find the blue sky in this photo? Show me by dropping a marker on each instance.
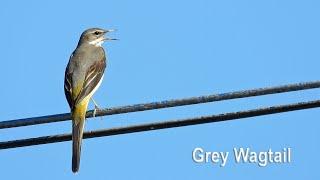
(167, 49)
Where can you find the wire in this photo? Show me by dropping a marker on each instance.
(163, 125)
(164, 104)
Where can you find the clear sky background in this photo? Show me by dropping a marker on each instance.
(167, 49)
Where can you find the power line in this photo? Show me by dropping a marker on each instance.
(163, 125)
(164, 104)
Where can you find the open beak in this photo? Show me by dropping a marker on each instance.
(108, 38)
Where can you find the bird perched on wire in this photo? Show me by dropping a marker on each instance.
(83, 77)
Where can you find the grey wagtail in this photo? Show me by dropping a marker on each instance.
(83, 77)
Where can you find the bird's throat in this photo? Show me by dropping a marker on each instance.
(97, 42)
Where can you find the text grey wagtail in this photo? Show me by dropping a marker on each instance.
(83, 77)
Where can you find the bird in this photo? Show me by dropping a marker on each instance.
(83, 76)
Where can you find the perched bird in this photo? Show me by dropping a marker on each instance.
(83, 77)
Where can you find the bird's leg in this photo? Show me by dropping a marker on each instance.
(96, 107)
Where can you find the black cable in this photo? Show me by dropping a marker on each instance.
(164, 104)
(163, 125)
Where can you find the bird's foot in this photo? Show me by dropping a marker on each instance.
(96, 108)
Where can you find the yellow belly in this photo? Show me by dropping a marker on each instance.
(79, 112)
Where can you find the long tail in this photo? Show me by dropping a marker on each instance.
(78, 121)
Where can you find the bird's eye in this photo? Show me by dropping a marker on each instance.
(96, 32)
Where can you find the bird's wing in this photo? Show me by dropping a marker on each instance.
(68, 86)
(93, 75)
(92, 78)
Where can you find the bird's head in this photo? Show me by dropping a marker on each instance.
(95, 36)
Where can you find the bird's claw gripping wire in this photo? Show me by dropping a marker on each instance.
(96, 107)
